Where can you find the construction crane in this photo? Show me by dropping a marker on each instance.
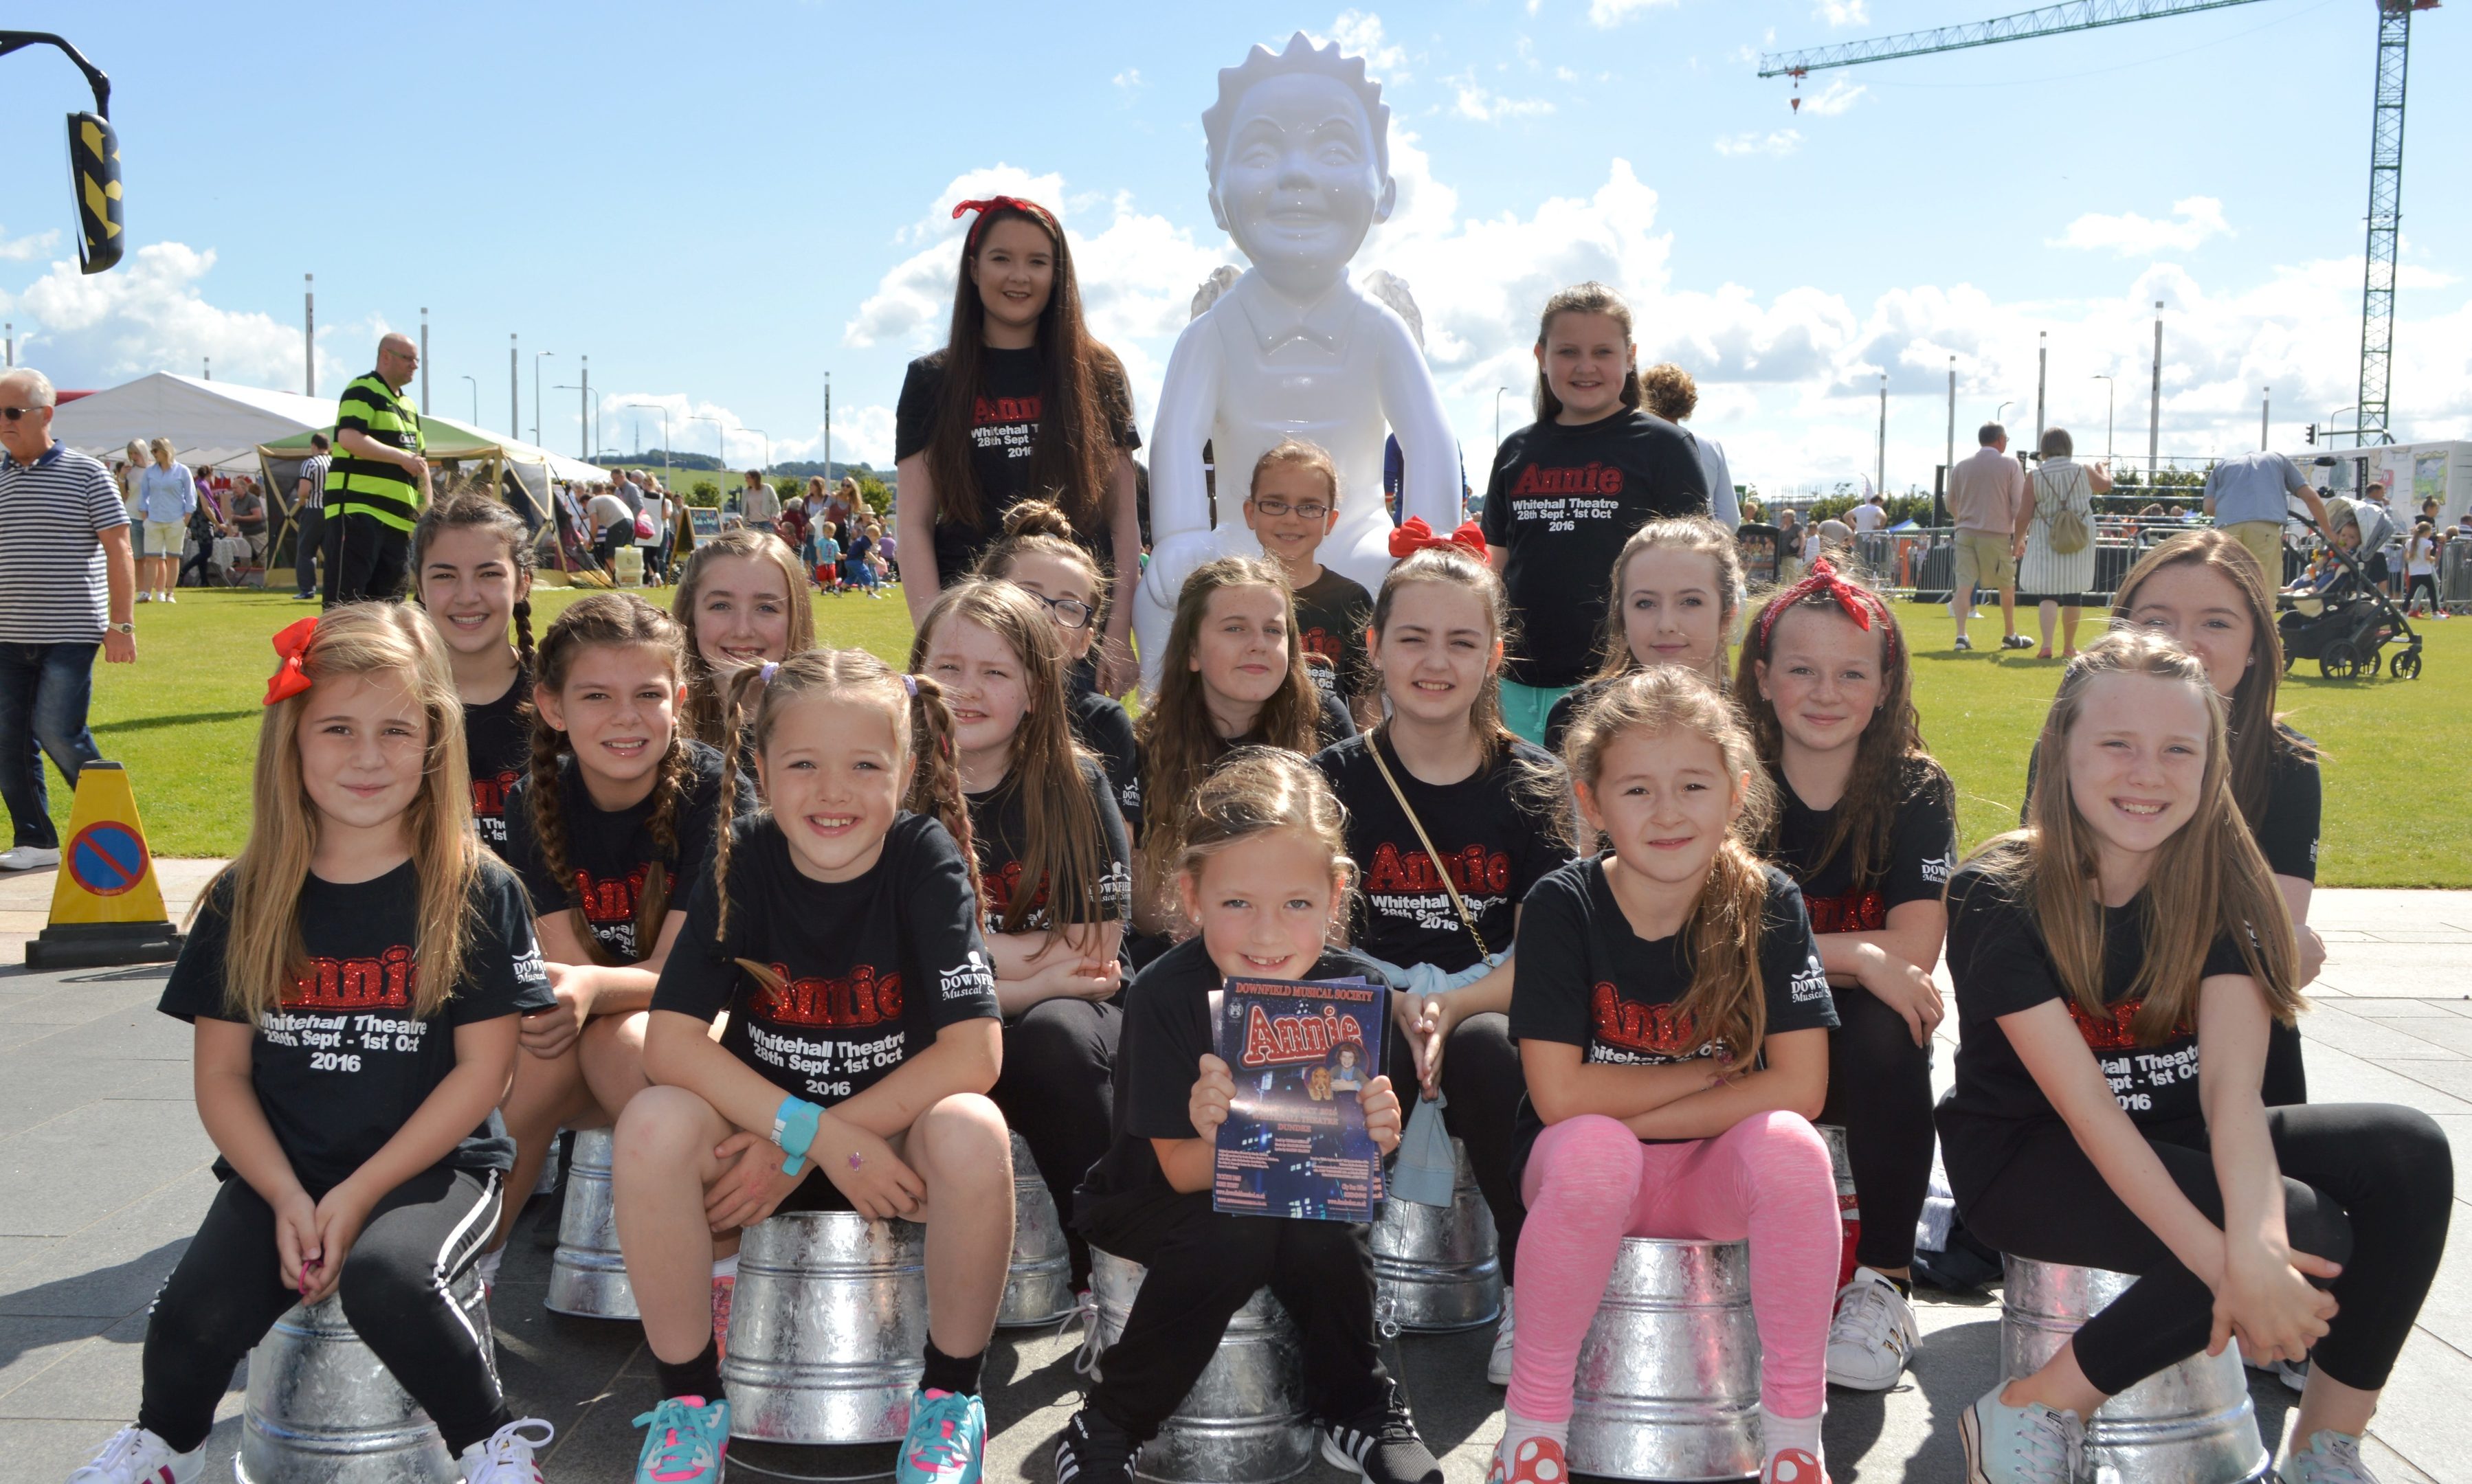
(2385, 135)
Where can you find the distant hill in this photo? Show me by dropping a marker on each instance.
(682, 462)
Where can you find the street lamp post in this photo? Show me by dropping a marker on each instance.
(583, 412)
(657, 407)
(1497, 417)
(476, 401)
(766, 440)
(537, 357)
(2106, 415)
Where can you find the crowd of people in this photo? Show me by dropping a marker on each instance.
(1655, 869)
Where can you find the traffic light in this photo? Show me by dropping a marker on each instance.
(2313, 435)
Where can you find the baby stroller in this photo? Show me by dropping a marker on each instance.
(2353, 624)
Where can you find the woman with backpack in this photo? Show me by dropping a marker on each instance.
(2054, 539)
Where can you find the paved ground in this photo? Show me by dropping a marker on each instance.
(105, 1166)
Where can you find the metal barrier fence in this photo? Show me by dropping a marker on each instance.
(1920, 564)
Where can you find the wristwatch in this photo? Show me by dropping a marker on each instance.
(124, 628)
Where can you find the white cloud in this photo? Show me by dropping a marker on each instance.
(1779, 141)
(1130, 82)
(1843, 12)
(1359, 34)
(1471, 100)
(25, 250)
(1836, 98)
(2194, 219)
(1614, 12)
(149, 316)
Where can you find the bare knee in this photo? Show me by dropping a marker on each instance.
(962, 1143)
(663, 1128)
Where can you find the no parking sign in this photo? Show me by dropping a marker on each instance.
(107, 858)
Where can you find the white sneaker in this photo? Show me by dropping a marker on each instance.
(28, 857)
(146, 597)
(505, 1456)
(1497, 1365)
(1873, 1334)
(168, 597)
(137, 1456)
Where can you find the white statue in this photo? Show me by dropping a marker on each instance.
(1300, 172)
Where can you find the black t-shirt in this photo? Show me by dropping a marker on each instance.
(1335, 722)
(1166, 1032)
(2000, 965)
(1100, 723)
(1002, 835)
(1004, 434)
(1587, 980)
(1331, 615)
(342, 1065)
(1487, 829)
(2295, 806)
(1565, 711)
(871, 968)
(1563, 501)
(498, 741)
(1922, 849)
(609, 854)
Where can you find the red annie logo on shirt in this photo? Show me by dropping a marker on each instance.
(1472, 869)
(2111, 1031)
(381, 983)
(999, 888)
(1664, 1029)
(1321, 641)
(1854, 912)
(489, 794)
(857, 998)
(1589, 478)
(611, 900)
(987, 411)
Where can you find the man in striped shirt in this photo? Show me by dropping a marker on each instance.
(377, 481)
(64, 564)
(309, 516)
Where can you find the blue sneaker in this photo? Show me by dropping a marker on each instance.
(2019, 1445)
(947, 1440)
(687, 1443)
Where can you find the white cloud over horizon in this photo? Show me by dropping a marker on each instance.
(2194, 219)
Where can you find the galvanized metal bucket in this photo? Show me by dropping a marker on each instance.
(1436, 1269)
(1669, 1380)
(587, 1276)
(2190, 1423)
(827, 1329)
(1038, 1288)
(1244, 1420)
(1849, 1208)
(323, 1410)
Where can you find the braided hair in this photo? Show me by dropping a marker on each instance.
(610, 619)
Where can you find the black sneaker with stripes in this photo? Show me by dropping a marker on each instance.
(1094, 1450)
(1379, 1445)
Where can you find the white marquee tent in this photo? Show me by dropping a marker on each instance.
(207, 421)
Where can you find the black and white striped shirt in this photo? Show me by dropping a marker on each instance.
(314, 469)
(52, 514)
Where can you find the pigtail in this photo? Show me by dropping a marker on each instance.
(724, 834)
(678, 775)
(524, 633)
(935, 785)
(1726, 1001)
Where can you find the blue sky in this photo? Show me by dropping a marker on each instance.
(719, 208)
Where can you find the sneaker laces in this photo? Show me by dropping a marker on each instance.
(126, 1446)
(2333, 1458)
(1863, 1315)
(942, 1447)
(1085, 1314)
(679, 1445)
(512, 1448)
(2053, 1437)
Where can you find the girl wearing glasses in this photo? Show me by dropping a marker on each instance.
(1293, 504)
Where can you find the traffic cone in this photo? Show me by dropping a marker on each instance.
(106, 907)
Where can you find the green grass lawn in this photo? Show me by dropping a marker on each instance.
(184, 721)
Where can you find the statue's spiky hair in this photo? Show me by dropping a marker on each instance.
(1301, 55)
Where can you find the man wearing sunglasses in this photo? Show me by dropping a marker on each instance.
(378, 481)
(66, 584)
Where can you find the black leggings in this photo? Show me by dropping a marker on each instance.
(1481, 1085)
(228, 1291)
(1059, 1090)
(2366, 1185)
(1203, 1265)
(1880, 1093)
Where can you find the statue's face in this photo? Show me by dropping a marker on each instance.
(1299, 188)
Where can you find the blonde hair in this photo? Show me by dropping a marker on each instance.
(2208, 881)
(1295, 453)
(1257, 790)
(1725, 1001)
(923, 728)
(265, 953)
(703, 720)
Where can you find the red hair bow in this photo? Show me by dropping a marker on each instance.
(983, 207)
(1415, 535)
(289, 678)
(1859, 604)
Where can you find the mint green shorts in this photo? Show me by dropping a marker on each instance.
(1525, 707)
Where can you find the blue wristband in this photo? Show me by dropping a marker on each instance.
(794, 1129)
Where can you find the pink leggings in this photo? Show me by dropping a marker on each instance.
(1589, 1184)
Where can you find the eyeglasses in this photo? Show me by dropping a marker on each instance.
(1275, 509)
(1068, 612)
(12, 414)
